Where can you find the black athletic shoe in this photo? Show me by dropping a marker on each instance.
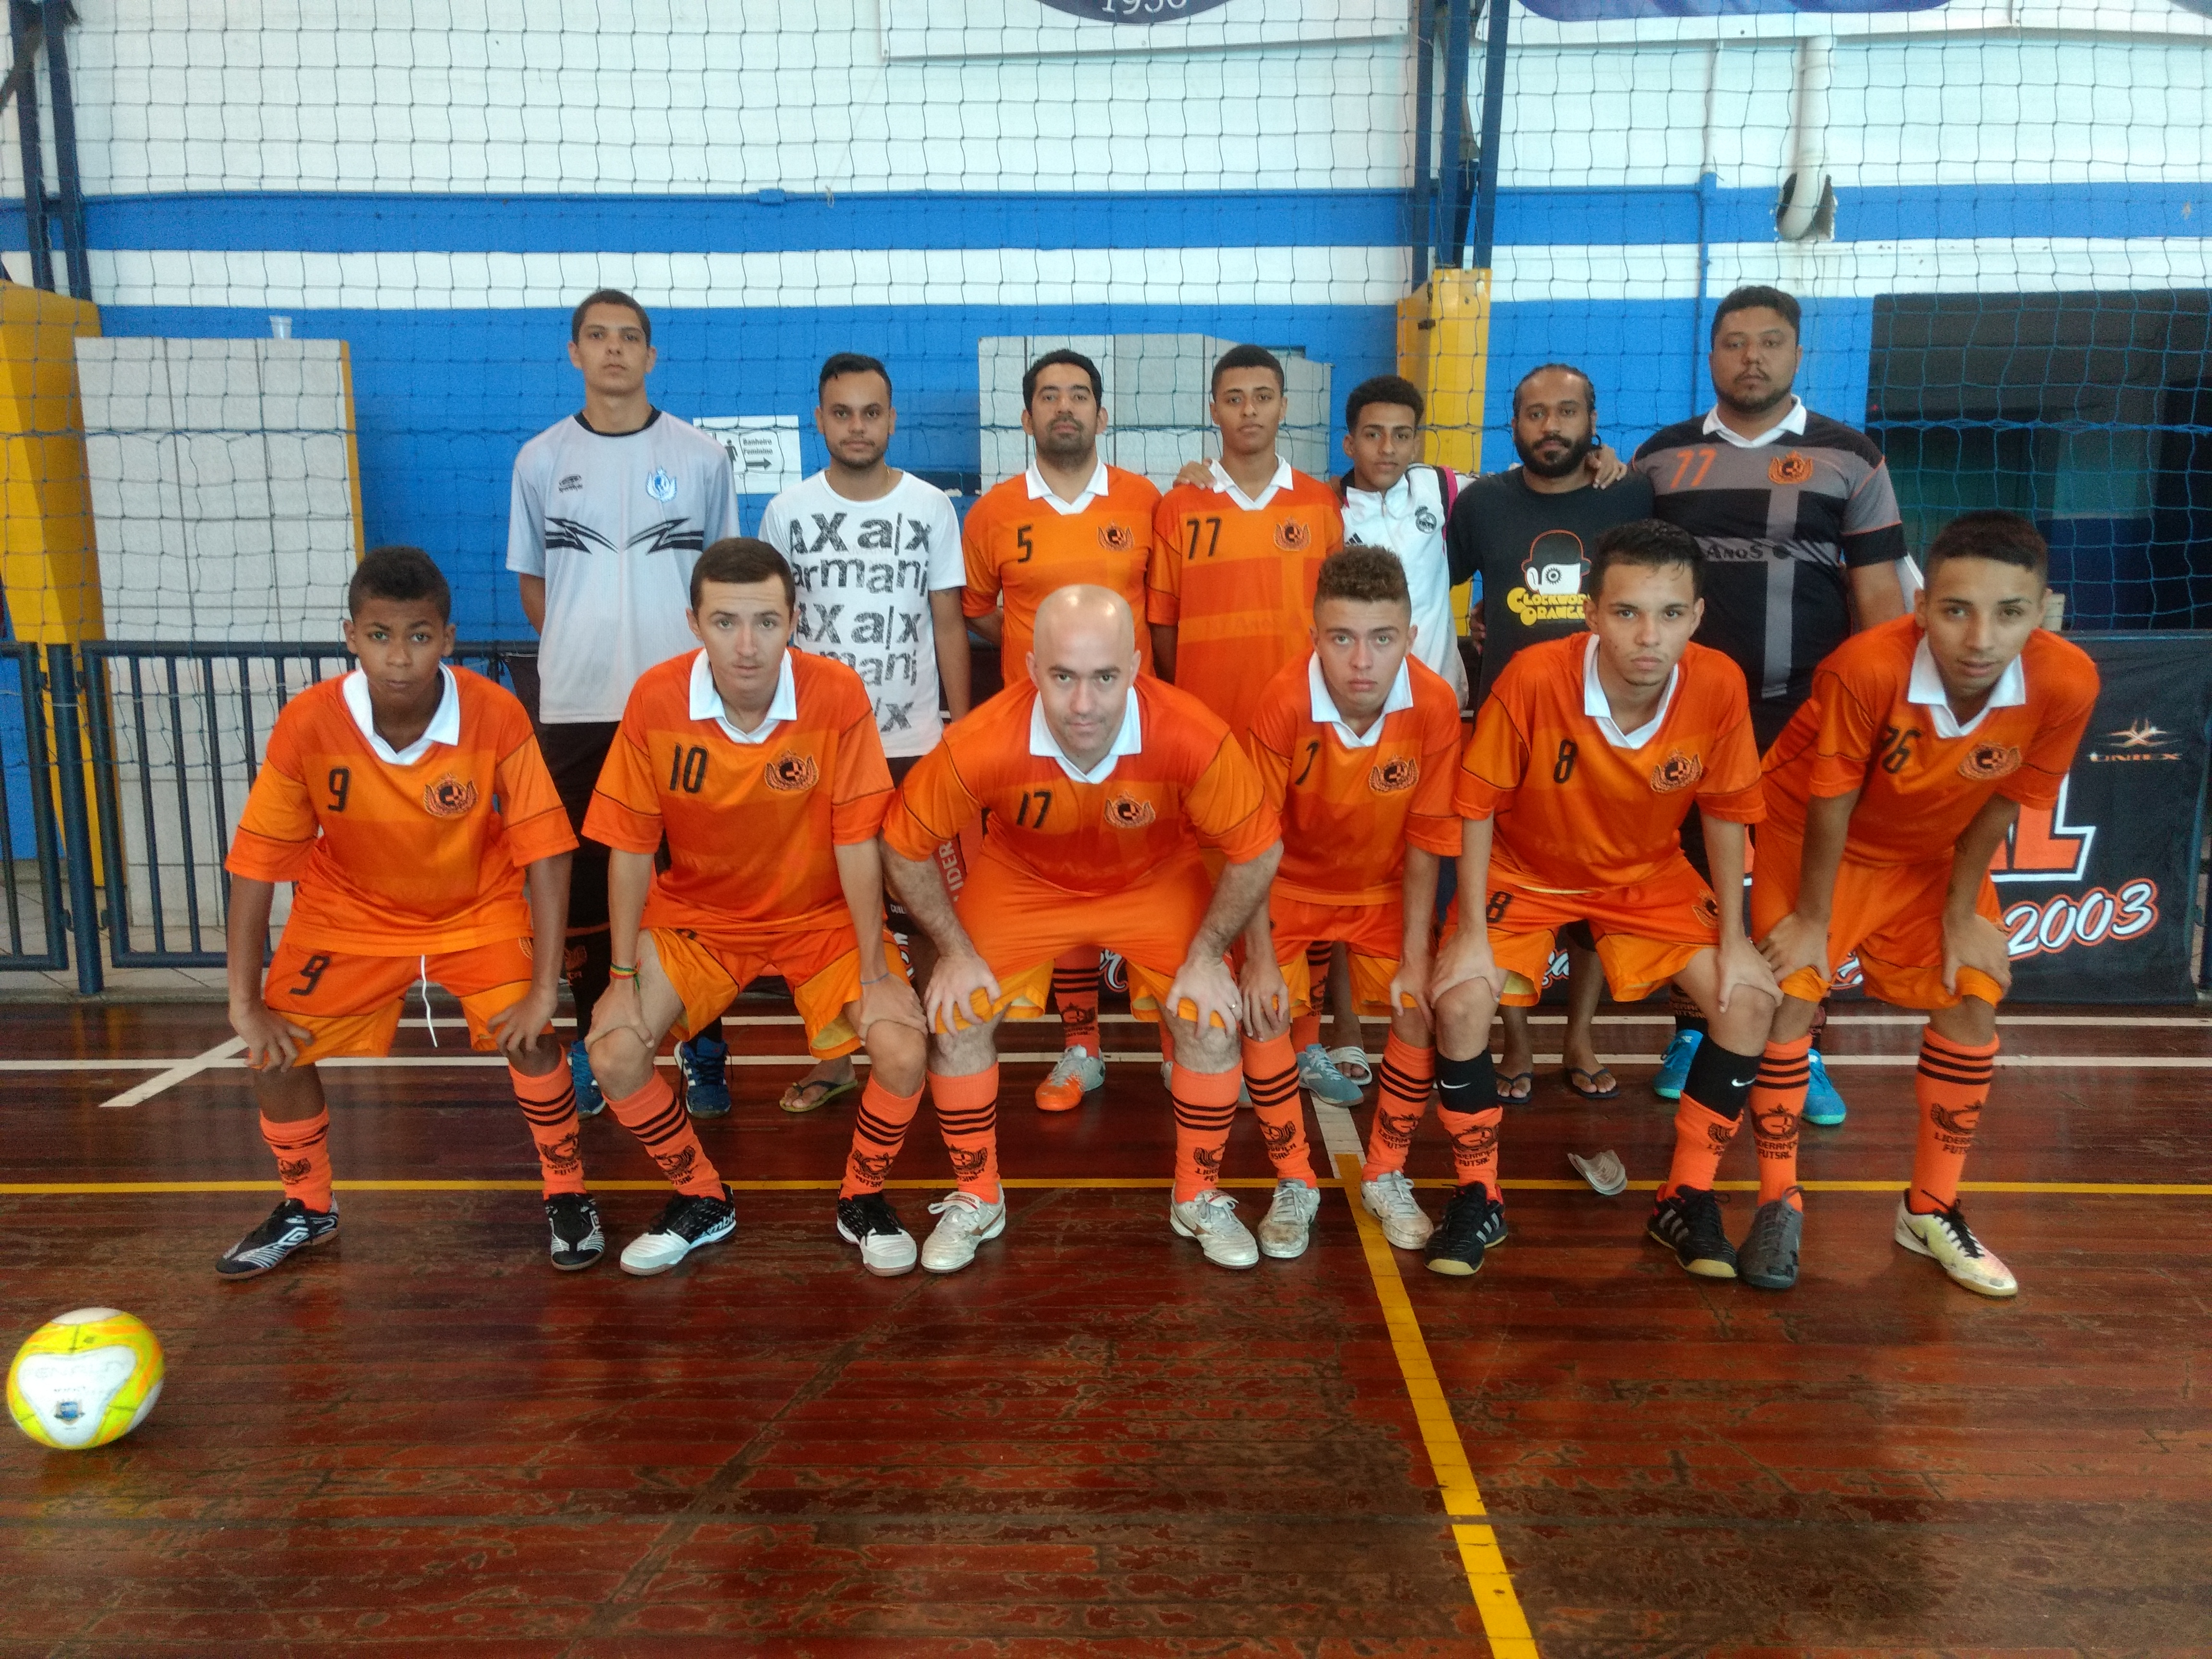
(868, 1221)
(1689, 1224)
(1473, 1225)
(577, 1241)
(687, 1223)
(291, 1226)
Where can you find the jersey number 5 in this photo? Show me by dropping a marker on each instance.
(1022, 540)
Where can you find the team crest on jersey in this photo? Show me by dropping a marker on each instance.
(1707, 910)
(1988, 762)
(1293, 535)
(792, 772)
(1116, 537)
(1426, 521)
(1790, 468)
(449, 797)
(660, 485)
(1128, 812)
(1681, 768)
(1389, 777)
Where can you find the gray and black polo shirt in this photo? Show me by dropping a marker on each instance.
(1780, 520)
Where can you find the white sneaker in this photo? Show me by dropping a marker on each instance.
(1077, 1072)
(689, 1222)
(1390, 1200)
(1946, 1237)
(1211, 1218)
(965, 1222)
(870, 1223)
(1286, 1228)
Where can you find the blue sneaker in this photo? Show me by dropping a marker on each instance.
(1824, 1107)
(1674, 1065)
(590, 1102)
(705, 1061)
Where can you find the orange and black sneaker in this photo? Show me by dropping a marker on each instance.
(1077, 1073)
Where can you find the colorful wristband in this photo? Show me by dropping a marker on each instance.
(621, 973)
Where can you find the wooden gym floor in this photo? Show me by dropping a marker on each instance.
(423, 1441)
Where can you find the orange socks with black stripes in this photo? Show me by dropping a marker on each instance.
(1777, 1107)
(655, 1116)
(549, 1105)
(1205, 1107)
(968, 1118)
(1952, 1086)
(879, 1132)
(303, 1158)
(1270, 1078)
(1075, 993)
(1405, 1082)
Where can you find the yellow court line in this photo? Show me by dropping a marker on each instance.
(1085, 1183)
(1502, 1622)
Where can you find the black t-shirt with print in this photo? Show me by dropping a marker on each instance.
(1532, 551)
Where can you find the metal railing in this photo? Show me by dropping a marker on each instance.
(30, 853)
(173, 735)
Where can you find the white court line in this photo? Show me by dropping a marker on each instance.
(218, 1055)
(2127, 1021)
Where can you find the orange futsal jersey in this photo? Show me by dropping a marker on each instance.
(1023, 546)
(752, 827)
(1349, 810)
(1577, 810)
(423, 858)
(1237, 584)
(1178, 782)
(1878, 721)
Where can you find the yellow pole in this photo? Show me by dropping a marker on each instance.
(1443, 347)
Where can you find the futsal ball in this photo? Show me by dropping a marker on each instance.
(85, 1378)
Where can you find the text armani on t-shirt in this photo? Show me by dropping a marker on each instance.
(838, 564)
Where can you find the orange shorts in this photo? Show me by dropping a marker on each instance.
(350, 1004)
(1020, 923)
(1645, 934)
(823, 969)
(1373, 934)
(1891, 915)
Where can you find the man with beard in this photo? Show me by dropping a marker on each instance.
(1802, 544)
(1069, 519)
(1527, 532)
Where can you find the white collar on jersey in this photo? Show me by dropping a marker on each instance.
(1129, 740)
(1228, 486)
(1041, 491)
(1325, 711)
(706, 701)
(1599, 707)
(1793, 423)
(445, 725)
(1926, 688)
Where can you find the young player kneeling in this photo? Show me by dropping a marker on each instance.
(1585, 760)
(1356, 744)
(762, 769)
(408, 805)
(1888, 794)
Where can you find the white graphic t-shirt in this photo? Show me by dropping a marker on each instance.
(865, 571)
(613, 525)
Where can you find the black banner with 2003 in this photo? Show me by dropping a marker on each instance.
(2100, 892)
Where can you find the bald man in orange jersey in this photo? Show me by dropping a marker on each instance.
(1102, 787)
(1069, 518)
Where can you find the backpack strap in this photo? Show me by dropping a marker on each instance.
(1447, 486)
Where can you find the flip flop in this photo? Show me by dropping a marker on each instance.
(794, 1099)
(1611, 1091)
(1502, 1088)
(1353, 1063)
